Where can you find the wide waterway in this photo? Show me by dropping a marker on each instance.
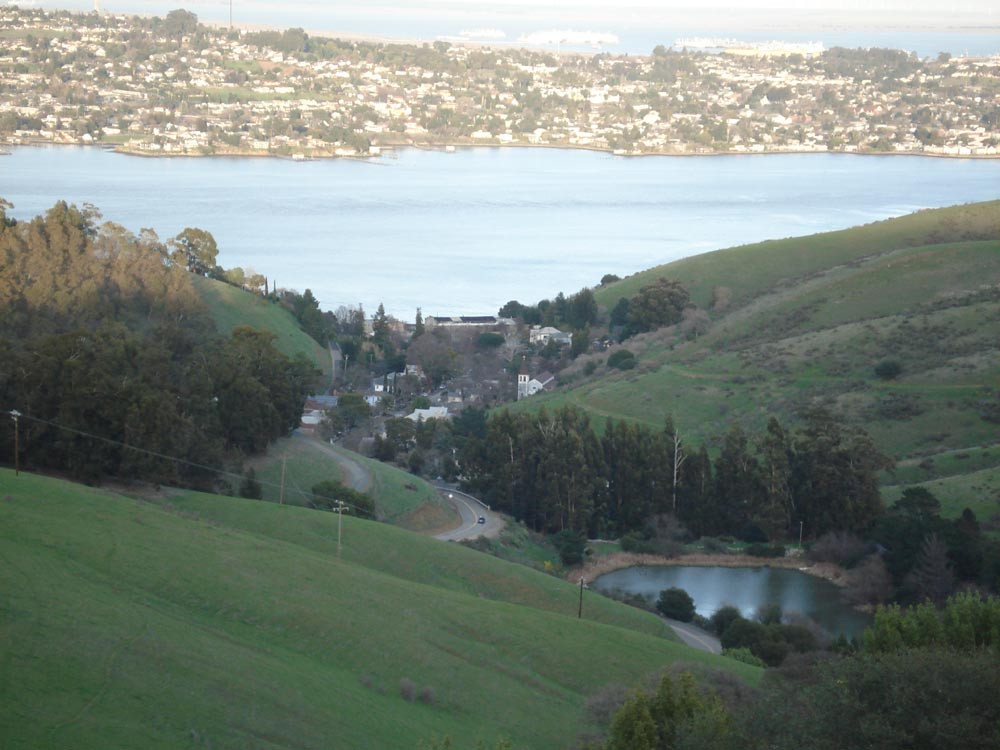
(462, 233)
(747, 589)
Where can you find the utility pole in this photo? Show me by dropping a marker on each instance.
(230, 15)
(281, 497)
(579, 612)
(15, 414)
(340, 524)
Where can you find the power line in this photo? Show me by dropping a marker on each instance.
(15, 415)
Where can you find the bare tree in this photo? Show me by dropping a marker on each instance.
(679, 458)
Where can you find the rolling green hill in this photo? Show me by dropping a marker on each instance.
(231, 307)
(202, 621)
(400, 498)
(804, 321)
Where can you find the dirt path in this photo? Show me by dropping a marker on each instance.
(356, 476)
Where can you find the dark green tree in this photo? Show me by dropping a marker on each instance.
(381, 328)
(656, 305)
(353, 409)
(676, 604)
(196, 250)
(924, 698)
(571, 546)
(250, 488)
(633, 727)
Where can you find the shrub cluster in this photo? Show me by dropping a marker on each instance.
(622, 359)
(676, 604)
(765, 550)
(770, 640)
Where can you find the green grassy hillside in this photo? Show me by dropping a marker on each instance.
(806, 322)
(231, 307)
(202, 621)
(400, 497)
(751, 270)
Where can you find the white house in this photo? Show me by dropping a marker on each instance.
(543, 335)
(434, 412)
(529, 386)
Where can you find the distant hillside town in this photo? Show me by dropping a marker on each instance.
(172, 86)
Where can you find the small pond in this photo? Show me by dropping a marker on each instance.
(746, 589)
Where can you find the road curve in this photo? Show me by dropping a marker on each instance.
(470, 509)
(696, 637)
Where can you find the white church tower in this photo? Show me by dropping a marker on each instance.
(522, 385)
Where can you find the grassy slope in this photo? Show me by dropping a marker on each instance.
(405, 499)
(305, 466)
(752, 269)
(809, 319)
(418, 509)
(231, 307)
(223, 623)
(400, 497)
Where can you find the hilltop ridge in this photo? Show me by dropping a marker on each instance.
(805, 321)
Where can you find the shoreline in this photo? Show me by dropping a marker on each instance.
(619, 560)
(454, 147)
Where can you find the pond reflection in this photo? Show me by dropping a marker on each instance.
(747, 589)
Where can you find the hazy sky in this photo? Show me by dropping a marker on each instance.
(429, 18)
(903, 5)
(590, 7)
(586, 7)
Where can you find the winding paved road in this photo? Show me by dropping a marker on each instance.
(695, 637)
(470, 509)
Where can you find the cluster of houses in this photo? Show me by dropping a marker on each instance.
(383, 386)
(233, 96)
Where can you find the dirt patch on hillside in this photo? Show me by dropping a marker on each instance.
(431, 518)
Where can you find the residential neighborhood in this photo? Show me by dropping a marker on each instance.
(175, 87)
(479, 352)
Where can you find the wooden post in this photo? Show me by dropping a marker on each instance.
(579, 612)
(15, 414)
(281, 497)
(340, 524)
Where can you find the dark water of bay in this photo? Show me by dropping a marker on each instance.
(747, 589)
(464, 232)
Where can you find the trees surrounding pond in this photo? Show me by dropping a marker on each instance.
(552, 471)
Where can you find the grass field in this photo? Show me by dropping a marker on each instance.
(750, 270)
(231, 307)
(807, 321)
(977, 490)
(305, 466)
(407, 500)
(204, 621)
(400, 498)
